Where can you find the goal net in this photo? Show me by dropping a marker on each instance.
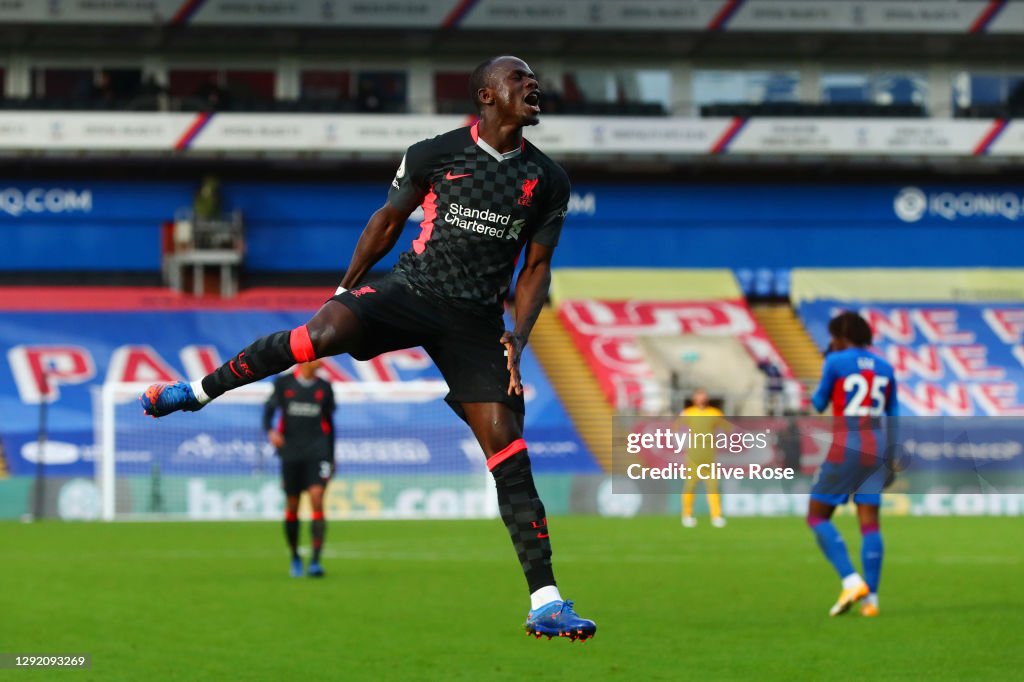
(400, 453)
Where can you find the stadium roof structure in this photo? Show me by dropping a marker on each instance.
(705, 28)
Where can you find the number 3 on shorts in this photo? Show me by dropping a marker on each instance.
(325, 469)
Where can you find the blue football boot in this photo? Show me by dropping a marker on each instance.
(558, 619)
(296, 568)
(315, 570)
(162, 399)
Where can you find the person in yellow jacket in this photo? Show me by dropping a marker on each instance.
(702, 418)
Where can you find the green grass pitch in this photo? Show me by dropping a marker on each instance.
(446, 601)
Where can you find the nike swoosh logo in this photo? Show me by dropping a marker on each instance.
(449, 176)
(542, 535)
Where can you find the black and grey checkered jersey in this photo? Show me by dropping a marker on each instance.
(478, 214)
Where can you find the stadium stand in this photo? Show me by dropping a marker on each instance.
(741, 170)
(399, 437)
(642, 342)
(953, 357)
(716, 140)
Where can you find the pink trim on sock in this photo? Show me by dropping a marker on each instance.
(500, 456)
(868, 528)
(815, 521)
(302, 347)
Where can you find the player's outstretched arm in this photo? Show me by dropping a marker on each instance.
(531, 292)
(378, 237)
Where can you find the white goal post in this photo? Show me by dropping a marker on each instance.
(400, 453)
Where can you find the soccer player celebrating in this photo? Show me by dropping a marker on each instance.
(304, 439)
(701, 417)
(488, 197)
(862, 388)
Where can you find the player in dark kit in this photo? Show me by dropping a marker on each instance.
(489, 198)
(304, 440)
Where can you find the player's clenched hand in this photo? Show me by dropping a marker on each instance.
(275, 438)
(513, 350)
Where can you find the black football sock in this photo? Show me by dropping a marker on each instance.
(319, 527)
(291, 533)
(269, 355)
(523, 514)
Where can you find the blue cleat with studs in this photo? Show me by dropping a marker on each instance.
(162, 399)
(558, 619)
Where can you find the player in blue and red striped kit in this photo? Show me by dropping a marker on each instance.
(862, 389)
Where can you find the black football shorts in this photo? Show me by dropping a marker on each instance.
(301, 473)
(466, 347)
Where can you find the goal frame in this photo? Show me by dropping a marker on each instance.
(113, 395)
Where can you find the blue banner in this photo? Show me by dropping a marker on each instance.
(954, 359)
(85, 225)
(315, 227)
(68, 356)
(785, 226)
(978, 444)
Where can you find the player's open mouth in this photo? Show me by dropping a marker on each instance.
(533, 101)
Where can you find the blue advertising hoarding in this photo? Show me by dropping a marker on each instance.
(951, 359)
(85, 225)
(69, 355)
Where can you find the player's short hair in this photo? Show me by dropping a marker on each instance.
(479, 79)
(852, 327)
